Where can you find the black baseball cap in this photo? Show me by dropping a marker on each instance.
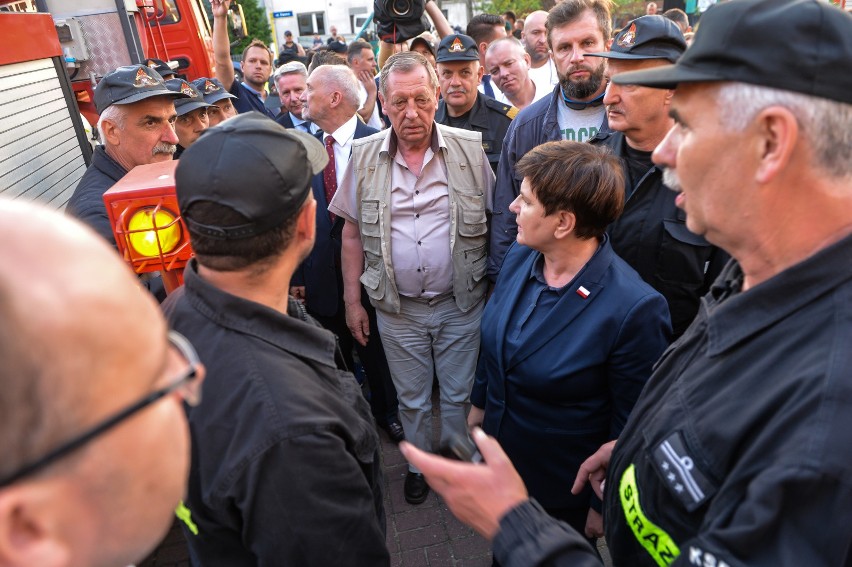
(129, 84)
(281, 161)
(793, 45)
(648, 37)
(160, 66)
(457, 47)
(194, 100)
(212, 89)
(337, 46)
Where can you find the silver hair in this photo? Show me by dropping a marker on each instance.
(405, 62)
(291, 67)
(516, 43)
(342, 78)
(825, 124)
(115, 113)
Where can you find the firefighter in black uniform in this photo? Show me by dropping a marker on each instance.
(462, 105)
(737, 451)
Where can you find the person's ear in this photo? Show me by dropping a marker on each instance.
(28, 530)
(778, 134)
(111, 132)
(567, 222)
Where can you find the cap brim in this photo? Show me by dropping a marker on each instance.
(148, 94)
(217, 97)
(619, 55)
(667, 77)
(190, 106)
(317, 155)
(451, 59)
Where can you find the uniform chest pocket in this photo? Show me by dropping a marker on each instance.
(472, 218)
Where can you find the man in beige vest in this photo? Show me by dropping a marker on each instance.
(414, 198)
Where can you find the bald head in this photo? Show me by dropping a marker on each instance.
(534, 38)
(81, 340)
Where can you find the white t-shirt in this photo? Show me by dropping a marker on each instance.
(544, 77)
(579, 125)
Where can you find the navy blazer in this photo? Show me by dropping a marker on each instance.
(320, 271)
(284, 119)
(570, 386)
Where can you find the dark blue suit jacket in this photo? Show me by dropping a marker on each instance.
(320, 272)
(571, 385)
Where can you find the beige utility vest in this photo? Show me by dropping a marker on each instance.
(468, 223)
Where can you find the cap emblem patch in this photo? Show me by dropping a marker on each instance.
(628, 38)
(210, 87)
(456, 46)
(143, 79)
(187, 90)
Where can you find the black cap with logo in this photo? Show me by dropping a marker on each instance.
(281, 161)
(648, 37)
(457, 47)
(194, 100)
(793, 45)
(212, 89)
(160, 66)
(130, 84)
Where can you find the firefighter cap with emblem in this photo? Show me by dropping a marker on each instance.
(457, 47)
(194, 101)
(648, 37)
(801, 46)
(211, 89)
(130, 84)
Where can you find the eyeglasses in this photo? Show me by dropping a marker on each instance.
(186, 383)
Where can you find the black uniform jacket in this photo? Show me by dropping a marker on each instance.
(737, 452)
(488, 116)
(87, 202)
(652, 237)
(285, 456)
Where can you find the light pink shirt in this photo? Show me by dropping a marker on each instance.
(420, 212)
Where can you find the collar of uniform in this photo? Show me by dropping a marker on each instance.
(104, 162)
(734, 316)
(290, 333)
(390, 142)
(477, 117)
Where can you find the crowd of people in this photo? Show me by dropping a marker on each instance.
(621, 259)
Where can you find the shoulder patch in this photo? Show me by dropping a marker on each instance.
(512, 112)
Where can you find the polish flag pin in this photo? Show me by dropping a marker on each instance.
(583, 292)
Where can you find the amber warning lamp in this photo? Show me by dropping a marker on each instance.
(148, 229)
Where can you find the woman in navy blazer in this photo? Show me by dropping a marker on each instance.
(571, 332)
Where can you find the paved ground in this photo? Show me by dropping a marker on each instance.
(418, 536)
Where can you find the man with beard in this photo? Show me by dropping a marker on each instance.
(256, 64)
(573, 111)
(534, 37)
(137, 127)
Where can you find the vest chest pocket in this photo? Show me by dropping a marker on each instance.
(371, 232)
(472, 218)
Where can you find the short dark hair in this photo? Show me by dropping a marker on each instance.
(481, 27)
(510, 15)
(580, 178)
(232, 255)
(568, 11)
(257, 43)
(324, 56)
(679, 17)
(355, 49)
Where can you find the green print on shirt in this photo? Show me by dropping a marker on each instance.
(580, 135)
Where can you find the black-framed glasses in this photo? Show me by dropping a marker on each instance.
(187, 383)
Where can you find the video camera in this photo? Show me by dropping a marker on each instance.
(399, 20)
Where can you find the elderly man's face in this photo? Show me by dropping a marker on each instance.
(290, 88)
(636, 111)
(509, 67)
(148, 134)
(459, 81)
(221, 111)
(190, 126)
(698, 155)
(580, 76)
(410, 105)
(316, 98)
